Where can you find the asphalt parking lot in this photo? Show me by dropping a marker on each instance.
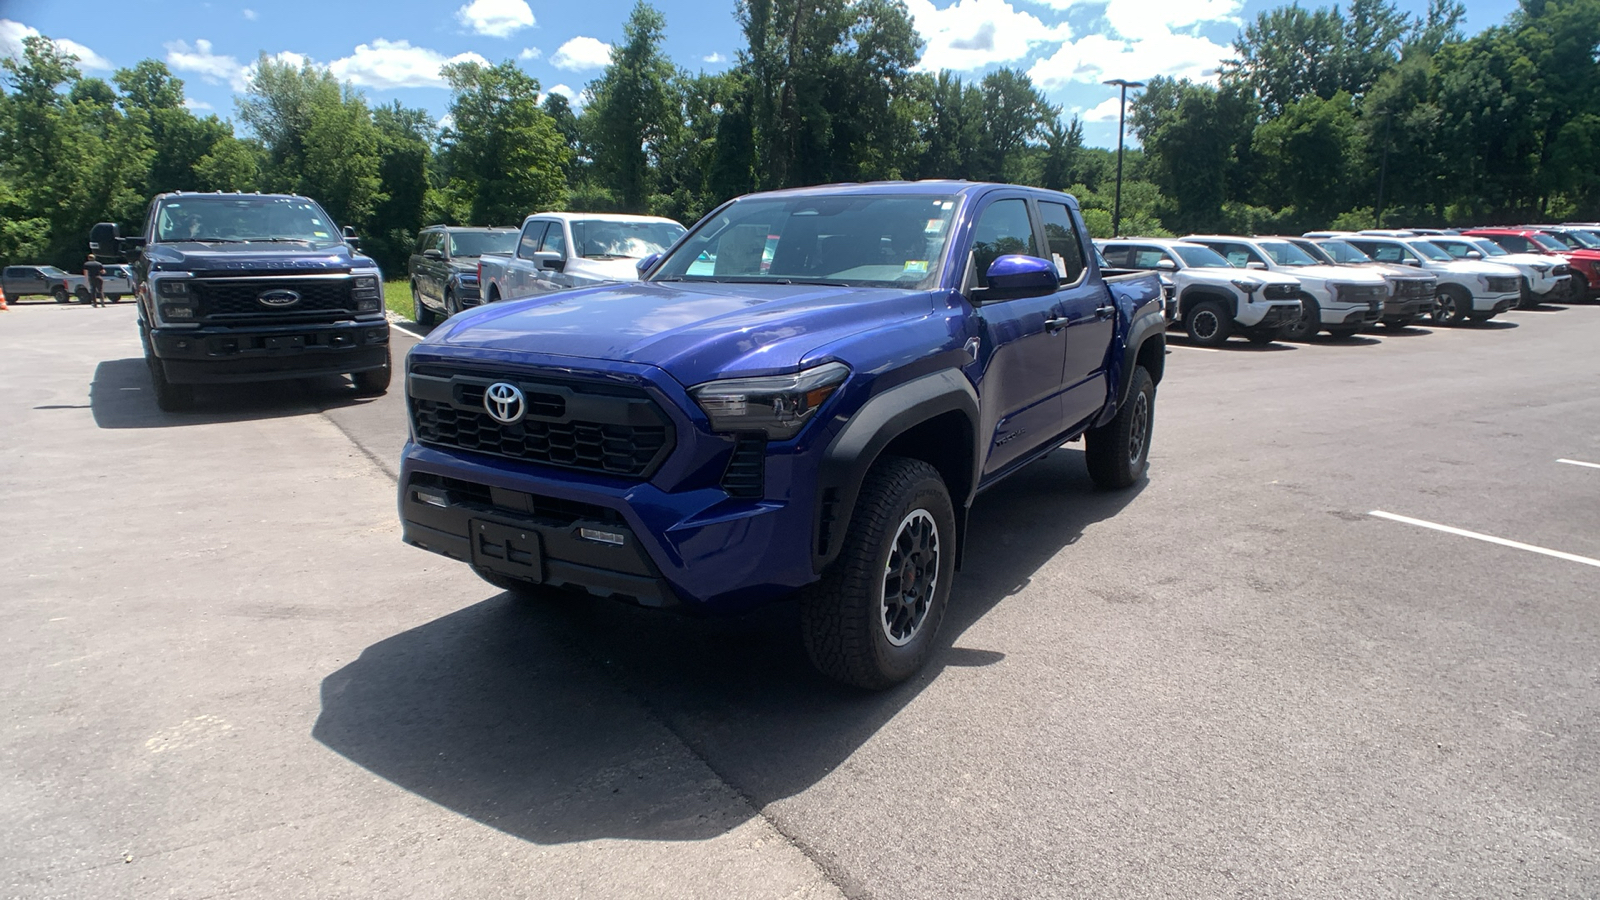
(226, 676)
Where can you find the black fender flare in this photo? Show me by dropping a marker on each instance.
(1150, 326)
(861, 441)
(1201, 292)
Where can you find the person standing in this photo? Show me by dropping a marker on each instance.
(96, 273)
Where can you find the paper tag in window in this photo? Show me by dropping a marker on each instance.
(917, 266)
(1061, 264)
(934, 226)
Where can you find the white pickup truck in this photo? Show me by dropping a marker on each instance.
(1336, 299)
(1212, 298)
(561, 250)
(1472, 290)
(1411, 291)
(1543, 277)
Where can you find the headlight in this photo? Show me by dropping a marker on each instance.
(779, 405)
(173, 287)
(364, 290)
(1541, 268)
(1249, 286)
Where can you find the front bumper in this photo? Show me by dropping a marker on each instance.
(1268, 314)
(269, 353)
(1495, 304)
(1405, 309)
(1352, 314)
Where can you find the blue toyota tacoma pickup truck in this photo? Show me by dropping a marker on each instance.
(250, 287)
(802, 397)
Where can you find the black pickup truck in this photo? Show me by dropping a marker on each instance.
(250, 287)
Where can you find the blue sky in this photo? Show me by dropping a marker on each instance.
(393, 50)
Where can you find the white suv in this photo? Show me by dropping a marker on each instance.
(1543, 277)
(1337, 299)
(1411, 291)
(1213, 299)
(1468, 289)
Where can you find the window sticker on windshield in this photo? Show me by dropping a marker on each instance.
(934, 226)
(1061, 264)
(917, 266)
(320, 233)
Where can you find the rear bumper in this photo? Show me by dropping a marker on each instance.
(223, 355)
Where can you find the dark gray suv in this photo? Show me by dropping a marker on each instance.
(444, 267)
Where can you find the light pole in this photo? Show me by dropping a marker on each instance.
(1122, 116)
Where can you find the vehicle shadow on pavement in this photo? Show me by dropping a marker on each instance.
(1491, 325)
(1233, 346)
(121, 396)
(549, 719)
(1408, 331)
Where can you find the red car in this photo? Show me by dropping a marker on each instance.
(1585, 263)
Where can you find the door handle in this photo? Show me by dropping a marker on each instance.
(1056, 324)
(1105, 311)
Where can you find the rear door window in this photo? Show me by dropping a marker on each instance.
(1066, 250)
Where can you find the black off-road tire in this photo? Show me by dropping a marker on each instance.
(114, 298)
(451, 304)
(1118, 452)
(420, 313)
(1578, 287)
(1310, 322)
(845, 620)
(170, 397)
(374, 382)
(1208, 323)
(1450, 305)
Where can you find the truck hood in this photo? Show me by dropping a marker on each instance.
(1340, 274)
(621, 269)
(201, 257)
(1389, 270)
(696, 332)
(1233, 273)
(1472, 267)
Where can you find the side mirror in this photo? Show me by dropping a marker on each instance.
(1473, 254)
(350, 238)
(644, 265)
(105, 241)
(1014, 276)
(550, 261)
(1258, 266)
(433, 253)
(1166, 265)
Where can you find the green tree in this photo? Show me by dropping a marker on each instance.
(1014, 114)
(503, 156)
(632, 116)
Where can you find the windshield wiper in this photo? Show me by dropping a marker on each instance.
(281, 240)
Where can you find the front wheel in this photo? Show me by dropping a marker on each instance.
(83, 295)
(1208, 324)
(872, 619)
(60, 294)
(1118, 452)
(115, 298)
(1310, 322)
(1450, 306)
(169, 397)
(373, 382)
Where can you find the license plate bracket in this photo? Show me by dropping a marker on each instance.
(507, 549)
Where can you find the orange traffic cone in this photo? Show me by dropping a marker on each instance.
(3, 306)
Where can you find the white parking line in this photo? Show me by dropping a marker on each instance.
(1573, 462)
(1570, 557)
(1192, 347)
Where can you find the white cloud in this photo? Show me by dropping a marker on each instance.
(714, 58)
(1131, 18)
(577, 99)
(212, 67)
(1107, 111)
(192, 103)
(496, 18)
(974, 34)
(396, 64)
(12, 33)
(249, 14)
(530, 53)
(582, 53)
(1097, 57)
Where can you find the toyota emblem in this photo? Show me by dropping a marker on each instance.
(278, 299)
(504, 403)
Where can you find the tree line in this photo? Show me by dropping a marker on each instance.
(1323, 116)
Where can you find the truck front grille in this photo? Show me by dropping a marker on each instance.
(607, 429)
(320, 298)
(1502, 284)
(1415, 288)
(1276, 291)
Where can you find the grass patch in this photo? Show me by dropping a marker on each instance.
(397, 298)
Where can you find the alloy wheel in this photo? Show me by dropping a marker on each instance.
(910, 577)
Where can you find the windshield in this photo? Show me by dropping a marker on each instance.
(1428, 250)
(1286, 254)
(1341, 252)
(1201, 257)
(602, 239)
(1490, 248)
(240, 219)
(891, 241)
(52, 271)
(1580, 239)
(477, 243)
(1551, 243)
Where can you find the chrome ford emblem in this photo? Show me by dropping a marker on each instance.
(278, 299)
(504, 403)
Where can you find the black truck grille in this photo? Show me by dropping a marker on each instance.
(1502, 284)
(241, 298)
(607, 430)
(1414, 288)
(1276, 291)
